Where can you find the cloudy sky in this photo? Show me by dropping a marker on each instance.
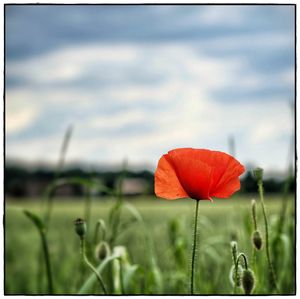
(137, 81)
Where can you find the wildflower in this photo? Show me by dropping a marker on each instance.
(198, 174)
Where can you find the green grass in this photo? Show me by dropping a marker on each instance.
(168, 224)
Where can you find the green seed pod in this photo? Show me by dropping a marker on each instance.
(258, 173)
(257, 240)
(80, 227)
(248, 281)
(233, 275)
(102, 251)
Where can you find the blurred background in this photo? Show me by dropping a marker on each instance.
(127, 83)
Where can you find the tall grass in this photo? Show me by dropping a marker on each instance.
(156, 249)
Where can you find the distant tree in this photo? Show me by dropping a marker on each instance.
(248, 184)
(21, 181)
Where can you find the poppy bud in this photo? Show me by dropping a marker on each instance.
(102, 251)
(80, 227)
(235, 276)
(257, 240)
(248, 281)
(258, 173)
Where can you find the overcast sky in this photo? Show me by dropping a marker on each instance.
(137, 81)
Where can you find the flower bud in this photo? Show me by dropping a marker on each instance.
(102, 251)
(248, 281)
(235, 276)
(258, 173)
(257, 240)
(80, 227)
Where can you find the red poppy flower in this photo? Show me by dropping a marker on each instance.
(197, 173)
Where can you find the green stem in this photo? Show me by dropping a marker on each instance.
(236, 278)
(115, 221)
(194, 248)
(253, 262)
(271, 269)
(47, 262)
(59, 167)
(245, 260)
(254, 214)
(99, 225)
(118, 205)
(284, 205)
(121, 277)
(234, 261)
(87, 262)
(88, 205)
(49, 207)
(234, 258)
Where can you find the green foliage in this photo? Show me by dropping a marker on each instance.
(42, 232)
(89, 283)
(157, 237)
(37, 221)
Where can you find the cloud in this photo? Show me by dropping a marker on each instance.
(33, 29)
(140, 100)
(19, 115)
(276, 125)
(19, 118)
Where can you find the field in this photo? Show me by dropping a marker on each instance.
(157, 238)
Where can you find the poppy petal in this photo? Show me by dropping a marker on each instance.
(167, 184)
(228, 189)
(197, 173)
(225, 167)
(233, 171)
(193, 174)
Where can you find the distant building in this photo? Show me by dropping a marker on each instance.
(134, 186)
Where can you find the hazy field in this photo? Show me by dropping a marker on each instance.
(163, 269)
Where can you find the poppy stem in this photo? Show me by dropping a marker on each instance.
(194, 248)
(271, 268)
(47, 261)
(245, 260)
(235, 264)
(88, 263)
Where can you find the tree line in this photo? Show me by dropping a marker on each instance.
(22, 182)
